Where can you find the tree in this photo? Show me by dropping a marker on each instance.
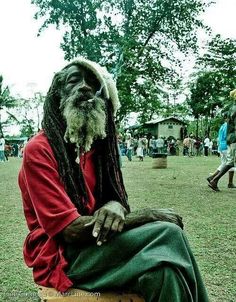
(133, 38)
(203, 101)
(6, 102)
(209, 91)
(30, 111)
(220, 60)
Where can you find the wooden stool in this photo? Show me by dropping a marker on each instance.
(47, 294)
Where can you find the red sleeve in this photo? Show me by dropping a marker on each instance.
(52, 205)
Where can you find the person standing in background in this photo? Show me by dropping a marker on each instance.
(151, 145)
(210, 147)
(2, 149)
(129, 145)
(206, 146)
(186, 146)
(140, 149)
(160, 145)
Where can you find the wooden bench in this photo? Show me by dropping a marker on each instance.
(77, 295)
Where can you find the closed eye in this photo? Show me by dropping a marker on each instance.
(73, 80)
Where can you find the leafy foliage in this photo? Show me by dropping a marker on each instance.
(212, 87)
(205, 94)
(215, 79)
(27, 129)
(31, 112)
(6, 102)
(135, 39)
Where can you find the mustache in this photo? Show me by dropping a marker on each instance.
(80, 97)
(77, 99)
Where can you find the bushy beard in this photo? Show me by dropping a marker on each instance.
(85, 116)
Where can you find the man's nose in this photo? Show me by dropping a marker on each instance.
(84, 86)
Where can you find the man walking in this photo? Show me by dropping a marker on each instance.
(222, 149)
(231, 142)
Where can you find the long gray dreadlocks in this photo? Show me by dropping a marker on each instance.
(110, 184)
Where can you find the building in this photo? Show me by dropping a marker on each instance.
(16, 140)
(166, 127)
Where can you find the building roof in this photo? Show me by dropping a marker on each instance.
(16, 139)
(159, 120)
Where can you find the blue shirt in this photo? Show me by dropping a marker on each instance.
(222, 137)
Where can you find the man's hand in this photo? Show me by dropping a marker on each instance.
(166, 215)
(142, 216)
(108, 220)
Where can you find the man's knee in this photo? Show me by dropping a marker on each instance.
(171, 228)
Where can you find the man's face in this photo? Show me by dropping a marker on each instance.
(81, 80)
(82, 107)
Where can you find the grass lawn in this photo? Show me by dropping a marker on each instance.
(209, 219)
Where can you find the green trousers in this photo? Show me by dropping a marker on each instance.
(154, 260)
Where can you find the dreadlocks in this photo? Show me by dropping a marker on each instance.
(110, 184)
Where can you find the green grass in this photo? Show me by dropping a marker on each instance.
(209, 219)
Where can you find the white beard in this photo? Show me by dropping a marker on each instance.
(86, 122)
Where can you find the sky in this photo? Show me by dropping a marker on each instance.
(28, 62)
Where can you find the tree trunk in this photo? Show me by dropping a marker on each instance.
(197, 127)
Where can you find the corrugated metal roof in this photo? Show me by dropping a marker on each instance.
(159, 120)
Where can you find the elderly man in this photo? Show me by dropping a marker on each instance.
(82, 233)
(231, 143)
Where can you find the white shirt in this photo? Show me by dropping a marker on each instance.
(160, 142)
(206, 142)
(2, 144)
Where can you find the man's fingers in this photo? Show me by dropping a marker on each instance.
(112, 225)
(117, 225)
(100, 219)
(107, 221)
(105, 230)
(121, 226)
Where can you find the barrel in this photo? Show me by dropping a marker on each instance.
(159, 160)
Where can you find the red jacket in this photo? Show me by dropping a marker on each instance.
(48, 210)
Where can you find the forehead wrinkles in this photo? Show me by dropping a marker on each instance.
(65, 74)
(80, 69)
(75, 70)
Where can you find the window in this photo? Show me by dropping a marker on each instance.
(170, 126)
